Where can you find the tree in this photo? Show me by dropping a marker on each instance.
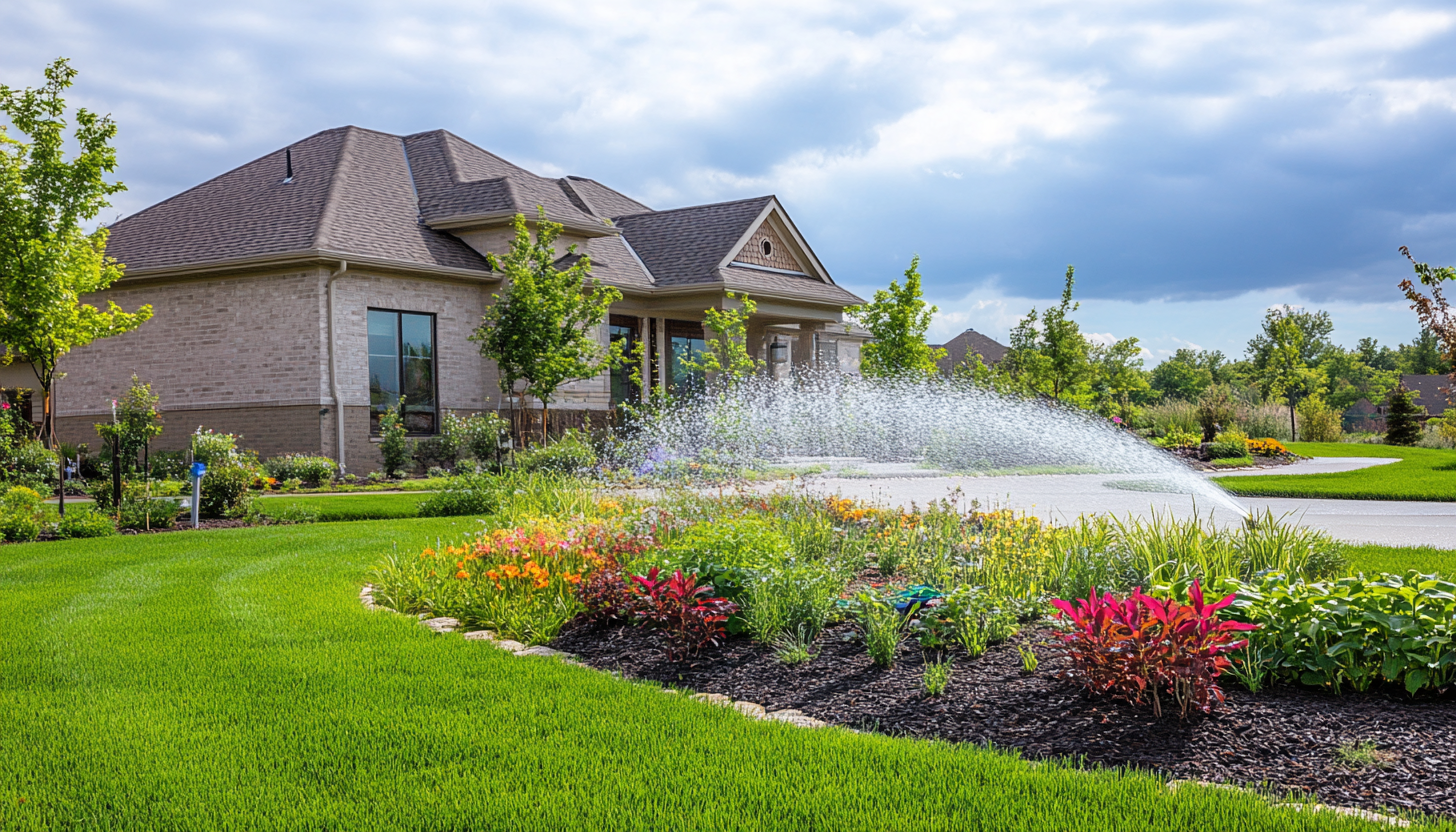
(727, 360)
(543, 328)
(1048, 355)
(1188, 372)
(135, 422)
(1434, 312)
(1402, 417)
(1117, 376)
(1349, 378)
(1377, 357)
(898, 319)
(47, 261)
(1284, 372)
(1314, 330)
(1422, 356)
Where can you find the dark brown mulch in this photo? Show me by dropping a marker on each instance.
(1283, 739)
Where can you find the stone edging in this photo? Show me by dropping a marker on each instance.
(799, 718)
(449, 625)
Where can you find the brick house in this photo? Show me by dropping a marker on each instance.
(960, 348)
(299, 295)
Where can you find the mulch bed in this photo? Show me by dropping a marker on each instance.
(1282, 740)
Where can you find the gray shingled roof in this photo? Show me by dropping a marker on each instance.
(350, 193)
(685, 245)
(1431, 388)
(363, 193)
(967, 343)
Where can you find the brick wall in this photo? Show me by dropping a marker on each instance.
(270, 431)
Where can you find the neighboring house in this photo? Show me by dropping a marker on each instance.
(1432, 391)
(298, 296)
(969, 343)
(1364, 417)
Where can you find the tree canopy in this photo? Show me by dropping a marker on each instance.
(48, 262)
(543, 328)
(898, 319)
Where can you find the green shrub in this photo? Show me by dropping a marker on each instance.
(291, 514)
(1178, 439)
(1319, 422)
(212, 448)
(22, 514)
(139, 512)
(727, 554)
(393, 445)
(313, 470)
(464, 495)
(1231, 444)
(483, 433)
(169, 465)
(1269, 420)
(1217, 410)
(1348, 633)
(570, 454)
(84, 522)
(1172, 416)
(30, 464)
(227, 490)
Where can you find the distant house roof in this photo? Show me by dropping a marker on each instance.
(364, 195)
(969, 343)
(1432, 390)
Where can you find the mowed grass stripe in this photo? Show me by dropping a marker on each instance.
(231, 680)
(1427, 474)
(345, 507)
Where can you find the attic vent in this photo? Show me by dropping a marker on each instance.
(288, 170)
(767, 247)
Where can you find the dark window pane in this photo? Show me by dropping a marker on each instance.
(623, 390)
(684, 380)
(383, 380)
(417, 338)
(383, 333)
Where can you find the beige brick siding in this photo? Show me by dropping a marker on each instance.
(243, 341)
(270, 431)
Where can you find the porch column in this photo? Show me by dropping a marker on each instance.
(664, 356)
(645, 334)
(803, 349)
(755, 341)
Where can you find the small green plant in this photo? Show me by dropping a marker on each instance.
(81, 522)
(22, 514)
(1365, 754)
(1029, 660)
(290, 514)
(227, 489)
(570, 454)
(301, 468)
(463, 496)
(482, 434)
(883, 628)
(937, 676)
(797, 598)
(212, 448)
(393, 445)
(793, 648)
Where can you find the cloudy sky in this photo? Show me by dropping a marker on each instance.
(1196, 161)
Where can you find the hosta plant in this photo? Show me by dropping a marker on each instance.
(1139, 648)
(1351, 632)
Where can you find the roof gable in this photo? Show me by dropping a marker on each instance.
(687, 245)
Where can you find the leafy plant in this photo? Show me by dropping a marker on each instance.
(684, 610)
(1141, 646)
(464, 495)
(897, 320)
(227, 489)
(798, 598)
(793, 648)
(1351, 632)
(570, 454)
(136, 423)
(307, 469)
(936, 677)
(1029, 661)
(392, 445)
(1366, 754)
(22, 514)
(291, 514)
(883, 628)
(80, 522)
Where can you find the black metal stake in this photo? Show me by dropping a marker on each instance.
(116, 473)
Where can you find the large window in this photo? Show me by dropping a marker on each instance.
(623, 330)
(686, 342)
(402, 363)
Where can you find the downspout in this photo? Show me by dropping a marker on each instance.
(334, 365)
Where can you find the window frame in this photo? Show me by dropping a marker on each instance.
(400, 367)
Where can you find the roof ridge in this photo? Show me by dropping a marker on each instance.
(326, 216)
(696, 207)
(577, 197)
(446, 133)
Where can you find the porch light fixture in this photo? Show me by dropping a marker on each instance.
(778, 352)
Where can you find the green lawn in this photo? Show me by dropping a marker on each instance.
(1371, 558)
(349, 507)
(231, 680)
(1421, 474)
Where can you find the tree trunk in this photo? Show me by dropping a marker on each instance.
(545, 411)
(1293, 436)
(56, 445)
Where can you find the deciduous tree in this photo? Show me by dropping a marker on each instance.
(542, 329)
(726, 359)
(48, 262)
(898, 319)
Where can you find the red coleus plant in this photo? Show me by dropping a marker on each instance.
(1141, 646)
(684, 610)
